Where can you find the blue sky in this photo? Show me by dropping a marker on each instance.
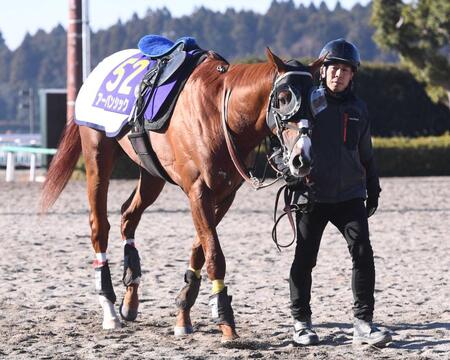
(46, 14)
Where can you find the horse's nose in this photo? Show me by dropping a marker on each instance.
(301, 162)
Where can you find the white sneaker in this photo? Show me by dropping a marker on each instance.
(304, 334)
(364, 332)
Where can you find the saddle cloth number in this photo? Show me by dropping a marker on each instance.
(119, 89)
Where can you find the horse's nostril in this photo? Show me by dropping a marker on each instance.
(300, 162)
(296, 162)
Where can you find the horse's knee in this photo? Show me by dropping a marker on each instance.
(129, 223)
(99, 227)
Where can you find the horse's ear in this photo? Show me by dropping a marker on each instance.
(316, 64)
(276, 62)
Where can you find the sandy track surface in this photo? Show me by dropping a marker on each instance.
(49, 309)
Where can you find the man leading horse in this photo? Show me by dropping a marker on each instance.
(343, 177)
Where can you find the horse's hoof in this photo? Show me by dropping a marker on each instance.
(111, 324)
(182, 330)
(126, 313)
(229, 338)
(228, 333)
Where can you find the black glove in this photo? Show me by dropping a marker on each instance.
(293, 183)
(371, 204)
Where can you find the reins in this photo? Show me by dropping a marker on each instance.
(290, 207)
(256, 183)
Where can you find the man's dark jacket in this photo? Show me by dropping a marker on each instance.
(343, 166)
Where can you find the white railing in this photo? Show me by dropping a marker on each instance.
(11, 152)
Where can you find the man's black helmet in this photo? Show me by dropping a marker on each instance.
(343, 51)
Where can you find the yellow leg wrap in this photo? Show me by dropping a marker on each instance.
(196, 272)
(218, 286)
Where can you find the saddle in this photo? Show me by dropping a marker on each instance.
(159, 91)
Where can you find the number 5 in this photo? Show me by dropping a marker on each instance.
(119, 72)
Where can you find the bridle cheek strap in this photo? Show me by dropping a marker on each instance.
(238, 164)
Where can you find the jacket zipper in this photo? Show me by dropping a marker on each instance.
(345, 126)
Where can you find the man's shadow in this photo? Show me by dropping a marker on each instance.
(419, 341)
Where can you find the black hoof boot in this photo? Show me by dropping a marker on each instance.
(188, 294)
(131, 265)
(221, 310)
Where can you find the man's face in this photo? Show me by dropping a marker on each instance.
(338, 76)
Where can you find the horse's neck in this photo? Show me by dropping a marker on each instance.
(250, 86)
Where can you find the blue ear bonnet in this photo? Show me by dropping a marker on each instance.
(157, 46)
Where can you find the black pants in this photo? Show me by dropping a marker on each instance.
(351, 220)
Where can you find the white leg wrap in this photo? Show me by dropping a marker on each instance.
(101, 257)
(129, 242)
(110, 319)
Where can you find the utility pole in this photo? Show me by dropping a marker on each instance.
(74, 55)
(86, 40)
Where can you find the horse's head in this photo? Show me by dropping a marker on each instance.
(288, 114)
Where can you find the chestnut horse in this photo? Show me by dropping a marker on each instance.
(194, 153)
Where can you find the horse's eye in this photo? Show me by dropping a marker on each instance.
(284, 97)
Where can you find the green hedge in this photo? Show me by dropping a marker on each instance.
(422, 156)
(396, 156)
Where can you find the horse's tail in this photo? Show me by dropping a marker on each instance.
(62, 166)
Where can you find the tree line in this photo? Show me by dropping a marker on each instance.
(291, 31)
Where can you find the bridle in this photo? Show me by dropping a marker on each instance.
(277, 118)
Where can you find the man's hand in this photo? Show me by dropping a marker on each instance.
(371, 205)
(294, 183)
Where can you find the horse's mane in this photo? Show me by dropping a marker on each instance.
(236, 74)
(253, 75)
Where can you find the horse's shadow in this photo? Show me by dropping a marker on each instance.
(345, 338)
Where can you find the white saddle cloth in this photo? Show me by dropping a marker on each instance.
(108, 95)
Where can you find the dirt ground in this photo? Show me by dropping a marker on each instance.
(49, 309)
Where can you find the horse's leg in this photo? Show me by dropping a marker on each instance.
(188, 294)
(143, 196)
(99, 153)
(203, 215)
